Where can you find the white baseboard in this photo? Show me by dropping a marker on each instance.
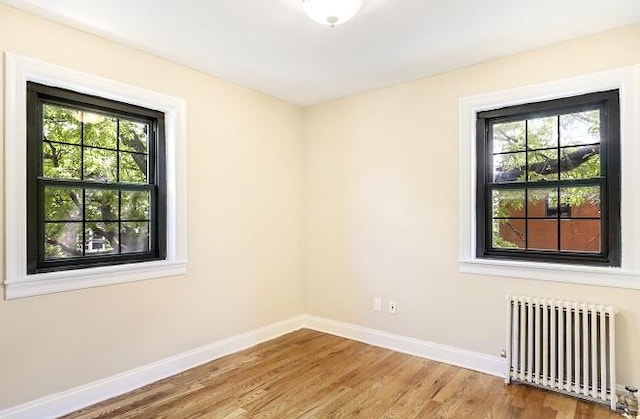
(76, 398)
(79, 397)
(462, 358)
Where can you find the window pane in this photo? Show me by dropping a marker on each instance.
(100, 165)
(543, 165)
(580, 235)
(509, 136)
(583, 201)
(135, 237)
(60, 124)
(101, 204)
(539, 199)
(542, 133)
(580, 128)
(543, 234)
(509, 167)
(62, 240)
(134, 136)
(507, 203)
(99, 130)
(133, 168)
(60, 161)
(135, 205)
(508, 234)
(101, 238)
(580, 162)
(62, 204)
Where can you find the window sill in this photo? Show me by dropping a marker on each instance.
(556, 272)
(52, 282)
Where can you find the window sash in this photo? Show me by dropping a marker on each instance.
(609, 180)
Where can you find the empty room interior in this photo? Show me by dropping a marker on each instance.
(320, 209)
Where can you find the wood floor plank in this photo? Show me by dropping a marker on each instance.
(141, 397)
(537, 398)
(323, 374)
(454, 395)
(492, 398)
(565, 406)
(472, 393)
(398, 384)
(412, 399)
(312, 375)
(379, 393)
(360, 389)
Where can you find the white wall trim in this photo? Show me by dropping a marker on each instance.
(79, 397)
(476, 361)
(20, 69)
(627, 79)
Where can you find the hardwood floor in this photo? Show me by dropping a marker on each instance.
(308, 374)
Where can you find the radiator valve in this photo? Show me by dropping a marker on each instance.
(629, 403)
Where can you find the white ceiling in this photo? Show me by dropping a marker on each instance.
(271, 46)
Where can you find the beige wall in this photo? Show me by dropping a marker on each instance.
(382, 207)
(244, 168)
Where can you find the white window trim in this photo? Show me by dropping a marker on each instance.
(20, 69)
(627, 79)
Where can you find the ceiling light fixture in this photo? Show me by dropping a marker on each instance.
(331, 12)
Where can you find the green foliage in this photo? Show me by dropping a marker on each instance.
(498, 241)
(579, 196)
(62, 124)
(507, 201)
(544, 149)
(100, 131)
(81, 145)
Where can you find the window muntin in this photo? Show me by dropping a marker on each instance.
(95, 170)
(536, 158)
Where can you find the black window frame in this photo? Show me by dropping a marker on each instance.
(608, 103)
(39, 94)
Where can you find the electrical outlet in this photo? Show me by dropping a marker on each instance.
(377, 304)
(393, 307)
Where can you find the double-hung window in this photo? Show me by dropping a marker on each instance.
(548, 181)
(95, 181)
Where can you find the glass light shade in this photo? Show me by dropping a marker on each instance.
(331, 12)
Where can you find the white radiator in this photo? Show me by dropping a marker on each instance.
(563, 346)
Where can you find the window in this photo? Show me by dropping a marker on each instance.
(164, 254)
(95, 181)
(548, 181)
